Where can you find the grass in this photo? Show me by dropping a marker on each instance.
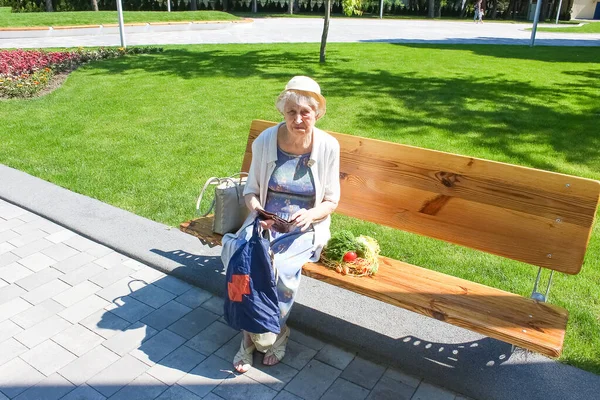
(590, 27)
(144, 132)
(9, 19)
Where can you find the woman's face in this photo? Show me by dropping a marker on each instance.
(299, 118)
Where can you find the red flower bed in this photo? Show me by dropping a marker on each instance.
(16, 62)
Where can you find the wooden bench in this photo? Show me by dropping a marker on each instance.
(537, 217)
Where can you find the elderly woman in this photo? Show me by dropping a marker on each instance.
(294, 174)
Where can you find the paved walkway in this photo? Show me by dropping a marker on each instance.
(81, 321)
(286, 30)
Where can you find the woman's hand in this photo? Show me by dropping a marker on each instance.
(266, 223)
(303, 218)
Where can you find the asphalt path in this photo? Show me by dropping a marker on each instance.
(302, 30)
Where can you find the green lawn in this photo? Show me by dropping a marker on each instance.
(144, 132)
(591, 27)
(8, 19)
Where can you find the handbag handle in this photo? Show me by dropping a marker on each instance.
(217, 181)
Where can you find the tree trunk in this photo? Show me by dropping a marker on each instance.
(325, 31)
(254, 6)
(49, 6)
(431, 9)
(224, 5)
(290, 7)
(193, 5)
(494, 9)
(438, 9)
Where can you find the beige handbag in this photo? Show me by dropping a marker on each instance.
(228, 203)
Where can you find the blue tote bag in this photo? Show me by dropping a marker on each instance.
(251, 292)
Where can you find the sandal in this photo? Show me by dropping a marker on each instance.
(278, 348)
(244, 355)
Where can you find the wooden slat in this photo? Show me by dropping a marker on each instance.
(202, 229)
(538, 217)
(502, 315)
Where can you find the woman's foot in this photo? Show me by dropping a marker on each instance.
(243, 358)
(276, 353)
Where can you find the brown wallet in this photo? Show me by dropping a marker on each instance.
(280, 225)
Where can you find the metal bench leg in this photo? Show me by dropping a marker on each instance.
(537, 295)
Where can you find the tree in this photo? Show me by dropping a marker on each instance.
(325, 30)
(95, 5)
(49, 6)
(431, 9)
(193, 5)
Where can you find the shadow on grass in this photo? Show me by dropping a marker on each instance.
(521, 121)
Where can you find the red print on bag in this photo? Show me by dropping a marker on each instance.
(239, 285)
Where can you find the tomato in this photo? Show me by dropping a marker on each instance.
(350, 256)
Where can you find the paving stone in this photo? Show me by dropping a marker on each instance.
(6, 247)
(8, 258)
(32, 248)
(42, 331)
(97, 250)
(72, 263)
(46, 291)
(344, 390)
(297, 355)
(166, 315)
(206, 376)
(28, 216)
(88, 365)
(148, 275)
(79, 242)
(157, 347)
(105, 323)
(400, 376)
(112, 260)
(283, 395)
(39, 278)
(13, 272)
(46, 225)
(274, 376)
(3, 283)
(83, 309)
(60, 251)
(10, 211)
(8, 235)
(312, 381)
(8, 329)
(122, 372)
(427, 391)
(78, 339)
(390, 389)
(211, 338)
(132, 338)
(173, 285)
(12, 308)
(334, 356)
(229, 349)
(22, 239)
(134, 264)
(7, 293)
(174, 366)
(53, 387)
(241, 387)
(61, 236)
(215, 305)
(48, 357)
(212, 396)
(192, 323)
(194, 297)
(10, 349)
(178, 393)
(37, 261)
(84, 393)
(144, 387)
(18, 376)
(121, 288)
(82, 274)
(307, 340)
(363, 372)
(153, 296)
(129, 308)
(12, 223)
(37, 314)
(76, 293)
(110, 276)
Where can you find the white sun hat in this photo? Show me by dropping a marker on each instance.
(308, 87)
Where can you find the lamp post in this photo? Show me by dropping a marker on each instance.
(558, 11)
(381, 9)
(538, 7)
(121, 27)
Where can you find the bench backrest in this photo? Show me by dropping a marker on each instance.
(538, 217)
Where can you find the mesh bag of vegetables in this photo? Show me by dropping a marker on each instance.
(350, 255)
